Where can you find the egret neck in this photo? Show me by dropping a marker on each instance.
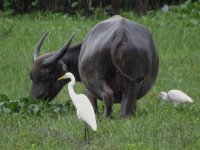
(71, 89)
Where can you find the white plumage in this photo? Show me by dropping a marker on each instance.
(85, 111)
(175, 96)
(83, 105)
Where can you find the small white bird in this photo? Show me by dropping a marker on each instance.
(175, 96)
(165, 8)
(83, 106)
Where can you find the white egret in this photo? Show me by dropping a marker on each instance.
(175, 96)
(165, 8)
(83, 106)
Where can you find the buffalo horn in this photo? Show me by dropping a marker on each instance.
(37, 47)
(58, 55)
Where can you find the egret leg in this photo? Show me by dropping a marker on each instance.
(85, 133)
(87, 136)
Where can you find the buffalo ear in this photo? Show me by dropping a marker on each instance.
(62, 65)
(38, 46)
(59, 54)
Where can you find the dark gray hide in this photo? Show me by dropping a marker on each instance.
(49, 67)
(118, 63)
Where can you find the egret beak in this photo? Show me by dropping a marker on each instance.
(61, 78)
(158, 94)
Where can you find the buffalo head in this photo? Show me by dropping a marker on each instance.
(45, 71)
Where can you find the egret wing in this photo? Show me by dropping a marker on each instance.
(85, 111)
(178, 96)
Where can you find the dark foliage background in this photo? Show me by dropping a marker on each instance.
(85, 7)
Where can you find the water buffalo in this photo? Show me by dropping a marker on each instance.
(118, 63)
(49, 67)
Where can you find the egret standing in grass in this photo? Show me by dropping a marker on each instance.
(83, 106)
(175, 96)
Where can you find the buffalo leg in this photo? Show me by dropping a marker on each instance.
(105, 92)
(92, 99)
(107, 96)
(129, 102)
(102, 90)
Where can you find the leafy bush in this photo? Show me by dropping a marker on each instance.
(188, 9)
(83, 7)
(31, 107)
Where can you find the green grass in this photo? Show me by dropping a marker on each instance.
(155, 125)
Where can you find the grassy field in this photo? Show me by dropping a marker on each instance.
(155, 125)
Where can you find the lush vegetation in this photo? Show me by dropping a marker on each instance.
(85, 7)
(155, 125)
